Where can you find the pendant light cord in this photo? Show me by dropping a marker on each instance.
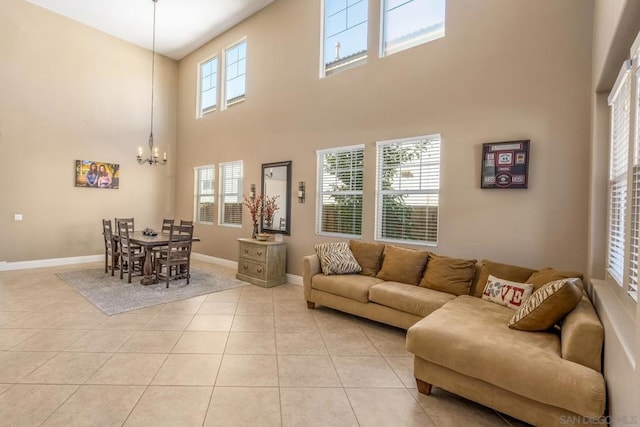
(153, 70)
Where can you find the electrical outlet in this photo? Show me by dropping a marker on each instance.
(17, 217)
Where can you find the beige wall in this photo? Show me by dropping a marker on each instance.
(507, 69)
(69, 92)
(616, 24)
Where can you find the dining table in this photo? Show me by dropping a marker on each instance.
(148, 242)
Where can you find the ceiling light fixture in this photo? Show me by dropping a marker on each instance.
(153, 153)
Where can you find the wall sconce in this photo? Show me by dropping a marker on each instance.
(252, 192)
(301, 191)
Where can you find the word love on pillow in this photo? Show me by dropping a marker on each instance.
(507, 293)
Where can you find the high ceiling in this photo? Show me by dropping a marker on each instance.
(181, 25)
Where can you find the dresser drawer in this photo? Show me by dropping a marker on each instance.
(252, 269)
(253, 252)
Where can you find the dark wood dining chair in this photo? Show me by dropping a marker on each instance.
(111, 251)
(176, 259)
(185, 222)
(131, 259)
(166, 224)
(130, 226)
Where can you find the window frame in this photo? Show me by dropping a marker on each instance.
(224, 102)
(320, 165)
(222, 194)
(380, 193)
(200, 113)
(411, 43)
(198, 195)
(360, 60)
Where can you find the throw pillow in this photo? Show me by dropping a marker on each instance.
(449, 275)
(368, 255)
(336, 258)
(547, 305)
(504, 271)
(402, 265)
(547, 275)
(507, 293)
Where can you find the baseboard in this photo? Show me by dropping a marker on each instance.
(291, 278)
(52, 262)
(214, 260)
(294, 280)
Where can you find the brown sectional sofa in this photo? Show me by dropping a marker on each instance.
(463, 343)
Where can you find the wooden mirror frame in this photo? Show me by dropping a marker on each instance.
(285, 196)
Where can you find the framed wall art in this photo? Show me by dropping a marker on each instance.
(97, 174)
(505, 164)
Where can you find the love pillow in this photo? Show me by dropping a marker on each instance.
(507, 293)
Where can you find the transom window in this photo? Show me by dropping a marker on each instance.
(204, 198)
(407, 189)
(408, 23)
(208, 86)
(231, 175)
(339, 203)
(235, 73)
(345, 34)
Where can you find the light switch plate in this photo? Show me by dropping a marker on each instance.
(17, 217)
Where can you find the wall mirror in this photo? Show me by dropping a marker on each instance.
(276, 182)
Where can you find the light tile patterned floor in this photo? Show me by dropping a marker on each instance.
(247, 356)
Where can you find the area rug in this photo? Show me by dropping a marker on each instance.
(113, 296)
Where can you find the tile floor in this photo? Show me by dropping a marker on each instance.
(243, 357)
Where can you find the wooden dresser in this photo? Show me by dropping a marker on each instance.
(262, 263)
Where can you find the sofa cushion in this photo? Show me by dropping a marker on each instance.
(353, 286)
(546, 275)
(408, 298)
(336, 258)
(507, 293)
(547, 305)
(470, 336)
(403, 265)
(368, 255)
(504, 271)
(446, 274)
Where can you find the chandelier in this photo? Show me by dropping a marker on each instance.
(153, 152)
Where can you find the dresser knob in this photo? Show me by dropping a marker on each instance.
(246, 251)
(259, 270)
(259, 253)
(245, 266)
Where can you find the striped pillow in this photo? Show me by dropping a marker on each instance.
(547, 305)
(336, 258)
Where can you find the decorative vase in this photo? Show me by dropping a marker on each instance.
(255, 231)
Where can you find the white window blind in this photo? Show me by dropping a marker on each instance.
(407, 187)
(634, 247)
(204, 198)
(235, 73)
(339, 191)
(345, 34)
(231, 193)
(208, 85)
(619, 164)
(408, 23)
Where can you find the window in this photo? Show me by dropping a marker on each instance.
(208, 86)
(204, 194)
(235, 73)
(407, 188)
(339, 203)
(345, 34)
(623, 222)
(618, 165)
(408, 23)
(231, 193)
